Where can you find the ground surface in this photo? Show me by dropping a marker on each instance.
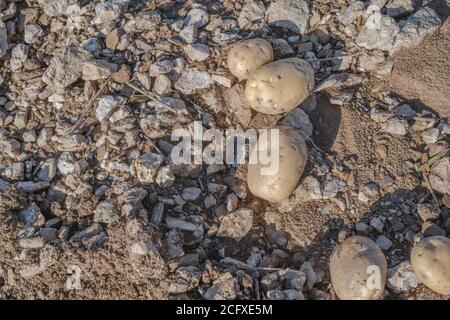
(347, 144)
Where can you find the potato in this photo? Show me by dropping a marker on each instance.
(430, 260)
(246, 56)
(280, 86)
(358, 269)
(278, 184)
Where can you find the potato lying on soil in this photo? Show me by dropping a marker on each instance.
(280, 86)
(246, 56)
(430, 260)
(358, 269)
(273, 182)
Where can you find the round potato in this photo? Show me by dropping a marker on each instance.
(275, 180)
(430, 260)
(246, 56)
(358, 269)
(280, 86)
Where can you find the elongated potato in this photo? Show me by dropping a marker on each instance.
(358, 269)
(430, 260)
(246, 56)
(276, 179)
(280, 86)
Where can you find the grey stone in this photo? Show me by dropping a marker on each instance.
(197, 51)
(383, 242)
(189, 34)
(430, 229)
(3, 39)
(379, 32)
(362, 227)
(289, 14)
(368, 192)
(65, 67)
(48, 170)
(192, 80)
(187, 278)
(298, 120)
(377, 224)
(173, 244)
(14, 171)
(402, 278)
(106, 212)
(165, 177)
(160, 67)
(253, 10)
(197, 17)
(395, 8)
(395, 126)
(369, 61)
(54, 8)
(149, 20)
(30, 186)
(32, 33)
(147, 167)
(107, 105)
(311, 276)
(440, 176)
(31, 216)
(332, 186)
(98, 69)
(235, 99)
(430, 136)
(404, 111)
(109, 10)
(226, 289)
(416, 27)
(19, 55)
(353, 11)
(236, 224)
(191, 193)
(281, 48)
(285, 295)
(66, 163)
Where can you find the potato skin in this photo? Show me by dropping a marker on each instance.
(247, 56)
(348, 269)
(280, 86)
(293, 155)
(430, 260)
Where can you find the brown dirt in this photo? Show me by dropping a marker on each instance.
(423, 73)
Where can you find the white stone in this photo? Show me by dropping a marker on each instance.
(289, 14)
(395, 8)
(192, 80)
(379, 32)
(402, 278)
(253, 10)
(197, 52)
(236, 224)
(107, 105)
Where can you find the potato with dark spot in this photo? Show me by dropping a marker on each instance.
(275, 176)
(430, 260)
(247, 56)
(358, 269)
(280, 86)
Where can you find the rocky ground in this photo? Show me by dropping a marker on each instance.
(91, 205)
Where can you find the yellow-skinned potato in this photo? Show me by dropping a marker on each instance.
(246, 56)
(358, 269)
(280, 86)
(430, 260)
(276, 183)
